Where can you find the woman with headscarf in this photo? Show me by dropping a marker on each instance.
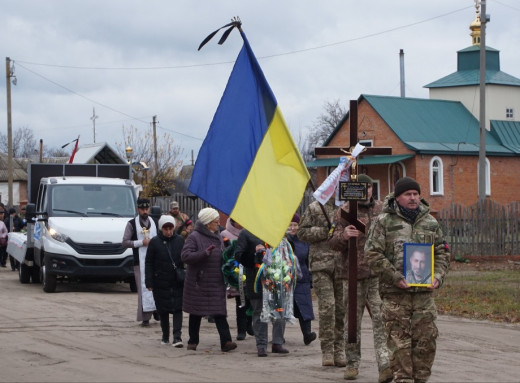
(163, 276)
(205, 290)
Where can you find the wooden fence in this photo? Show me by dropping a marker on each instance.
(485, 228)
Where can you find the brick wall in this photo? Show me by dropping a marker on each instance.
(459, 172)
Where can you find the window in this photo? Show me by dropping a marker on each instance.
(436, 177)
(510, 113)
(367, 143)
(395, 171)
(375, 190)
(488, 179)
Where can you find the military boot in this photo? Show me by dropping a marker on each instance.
(327, 360)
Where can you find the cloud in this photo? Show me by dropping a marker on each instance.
(131, 60)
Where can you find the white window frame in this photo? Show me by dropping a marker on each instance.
(378, 196)
(440, 176)
(510, 113)
(390, 181)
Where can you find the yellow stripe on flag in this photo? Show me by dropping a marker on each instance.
(274, 186)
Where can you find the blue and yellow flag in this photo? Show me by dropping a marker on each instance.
(248, 166)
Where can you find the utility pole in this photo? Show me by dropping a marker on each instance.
(93, 118)
(155, 144)
(482, 116)
(8, 74)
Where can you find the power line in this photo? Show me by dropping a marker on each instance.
(259, 57)
(80, 95)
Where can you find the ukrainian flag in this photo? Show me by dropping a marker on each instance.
(248, 166)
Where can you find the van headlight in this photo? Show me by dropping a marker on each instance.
(57, 236)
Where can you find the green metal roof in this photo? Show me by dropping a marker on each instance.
(434, 126)
(472, 77)
(507, 133)
(468, 70)
(368, 160)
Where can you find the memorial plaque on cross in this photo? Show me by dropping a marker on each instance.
(351, 217)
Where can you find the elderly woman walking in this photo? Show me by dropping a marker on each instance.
(204, 287)
(164, 277)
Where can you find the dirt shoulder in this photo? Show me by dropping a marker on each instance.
(88, 333)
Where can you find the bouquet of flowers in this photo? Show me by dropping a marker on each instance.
(277, 277)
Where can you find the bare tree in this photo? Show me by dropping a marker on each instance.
(322, 128)
(57, 152)
(24, 143)
(157, 181)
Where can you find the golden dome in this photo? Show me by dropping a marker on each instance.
(475, 26)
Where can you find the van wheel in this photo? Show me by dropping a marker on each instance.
(24, 273)
(48, 280)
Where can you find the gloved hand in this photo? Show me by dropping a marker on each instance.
(208, 250)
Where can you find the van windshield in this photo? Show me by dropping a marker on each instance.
(92, 200)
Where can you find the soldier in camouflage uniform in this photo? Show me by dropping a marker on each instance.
(367, 283)
(408, 313)
(327, 280)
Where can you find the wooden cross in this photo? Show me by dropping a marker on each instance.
(351, 217)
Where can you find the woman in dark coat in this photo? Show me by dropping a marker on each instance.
(204, 288)
(302, 292)
(163, 256)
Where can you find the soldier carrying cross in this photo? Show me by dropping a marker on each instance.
(348, 236)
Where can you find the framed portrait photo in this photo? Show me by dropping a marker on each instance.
(418, 264)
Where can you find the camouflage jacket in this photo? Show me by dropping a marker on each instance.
(386, 237)
(366, 214)
(314, 229)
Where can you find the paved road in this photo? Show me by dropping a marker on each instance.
(87, 333)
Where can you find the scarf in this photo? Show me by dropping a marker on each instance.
(409, 214)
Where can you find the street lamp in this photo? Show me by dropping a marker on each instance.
(129, 154)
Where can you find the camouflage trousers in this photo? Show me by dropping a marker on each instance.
(409, 321)
(329, 288)
(367, 295)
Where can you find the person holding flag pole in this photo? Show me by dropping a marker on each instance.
(267, 176)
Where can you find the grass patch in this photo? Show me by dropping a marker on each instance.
(491, 295)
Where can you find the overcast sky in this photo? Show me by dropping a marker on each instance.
(131, 60)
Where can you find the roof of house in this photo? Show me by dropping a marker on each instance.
(97, 153)
(19, 167)
(507, 133)
(468, 70)
(434, 126)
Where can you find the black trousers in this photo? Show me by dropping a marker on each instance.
(220, 322)
(3, 255)
(305, 325)
(243, 320)
(165, 325)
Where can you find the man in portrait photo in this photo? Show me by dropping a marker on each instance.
(419, 270)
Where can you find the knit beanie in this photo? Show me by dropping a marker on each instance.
(166, 219)
(296, 218)
(207, 215)
(365, 178)
(405, 184)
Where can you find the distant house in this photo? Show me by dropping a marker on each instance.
(437, 140)
(98, 153)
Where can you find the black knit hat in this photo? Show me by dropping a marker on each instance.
(404, 184)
